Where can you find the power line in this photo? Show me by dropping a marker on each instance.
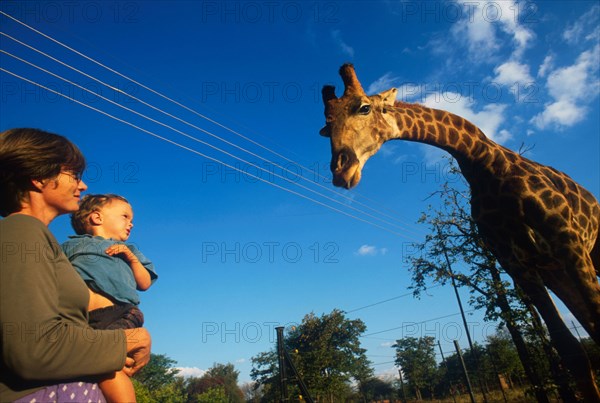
(387, 300)
(203, 142)
(415, 323)
(181, 120)
(329, 189)
(194, 151)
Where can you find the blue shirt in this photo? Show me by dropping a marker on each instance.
(110, 275)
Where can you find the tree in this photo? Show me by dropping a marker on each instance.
(159, 372)
(326, 352)
(416, 357)
(593, 352)
(170, 393)
(252, 392)
(375, 389)
(213, 395)
(220, 376)
(454, 239)
(158, 382)
(505, 358)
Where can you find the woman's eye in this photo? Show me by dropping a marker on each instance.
(364, 109)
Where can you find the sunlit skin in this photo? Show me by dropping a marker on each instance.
(115, 221)
(54, 197)
(60, 195)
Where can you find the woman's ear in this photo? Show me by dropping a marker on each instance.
(38, 184)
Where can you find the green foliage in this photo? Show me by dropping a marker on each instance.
(170, 393)
(593, 352)
(142, 393)
(375, 389)
(326, 352)
(158, 382)
(158, 372)
(416, 357)
(455, 252)
(502, 357)
(219, 377)
(213, 395)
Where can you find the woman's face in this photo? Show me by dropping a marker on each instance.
(62, 194)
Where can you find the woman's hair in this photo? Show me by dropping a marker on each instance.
(32, 154)
(80, 219)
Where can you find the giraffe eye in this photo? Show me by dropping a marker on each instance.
(364, 109)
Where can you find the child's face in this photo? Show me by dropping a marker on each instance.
(117, 217)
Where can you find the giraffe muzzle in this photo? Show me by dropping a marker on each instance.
(345, 168)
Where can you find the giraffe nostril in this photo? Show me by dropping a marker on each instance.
(343, 160)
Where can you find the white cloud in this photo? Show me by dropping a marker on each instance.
(368, 250)
(560, 113)
(571, 88)
(508, 17)
(432, 155)
(546, 66)
(479, 28)
(480, 35)
(488, 119)
(503, 136)
(512, 72)
(578, 30)
(390, 151)
(388, 375)
(345, 48)
(575, 82)
(383, 83)
(190, 372)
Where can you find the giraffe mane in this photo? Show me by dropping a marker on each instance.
(402, 104)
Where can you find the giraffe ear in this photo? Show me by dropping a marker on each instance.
(389, 96)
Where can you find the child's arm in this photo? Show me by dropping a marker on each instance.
(141, 275)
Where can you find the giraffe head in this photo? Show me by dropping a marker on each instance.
(357, 126)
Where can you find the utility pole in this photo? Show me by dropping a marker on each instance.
(464, 318)
(465, 373)
(285, 359)
(402, 386)
(281, 357)
(446, 365)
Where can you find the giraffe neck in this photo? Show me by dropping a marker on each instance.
(456, 135)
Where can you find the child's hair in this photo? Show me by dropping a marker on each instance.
(90, 203)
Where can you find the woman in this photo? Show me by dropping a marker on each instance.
(48, 350)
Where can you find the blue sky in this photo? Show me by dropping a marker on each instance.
(237, 253)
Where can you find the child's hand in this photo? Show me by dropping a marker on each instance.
(140, 274)
(122, 251)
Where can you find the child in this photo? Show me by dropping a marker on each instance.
(112, 270)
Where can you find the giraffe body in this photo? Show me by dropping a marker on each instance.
(539, 223)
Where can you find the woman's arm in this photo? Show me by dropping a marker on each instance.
(138, 349)
(43, 305)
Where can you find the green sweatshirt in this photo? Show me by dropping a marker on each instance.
(43, 315)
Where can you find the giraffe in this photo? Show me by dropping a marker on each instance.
(540, 225)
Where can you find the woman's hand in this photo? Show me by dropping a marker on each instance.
(138, 350)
